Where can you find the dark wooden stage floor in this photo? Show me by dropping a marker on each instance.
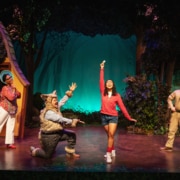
(135, 153)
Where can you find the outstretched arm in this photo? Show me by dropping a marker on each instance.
(101, 80)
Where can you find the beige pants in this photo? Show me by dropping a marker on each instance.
(173, 127)
(9, 120)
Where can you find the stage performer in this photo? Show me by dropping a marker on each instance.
(109, 115)
(173, 101)
(52, 125)
(8, 107)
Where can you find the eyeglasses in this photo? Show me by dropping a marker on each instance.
(8, 78)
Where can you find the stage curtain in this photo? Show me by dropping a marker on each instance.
(78, 60)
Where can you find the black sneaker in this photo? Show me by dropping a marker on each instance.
(166, 148)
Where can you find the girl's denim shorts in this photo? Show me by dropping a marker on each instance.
(106, 119)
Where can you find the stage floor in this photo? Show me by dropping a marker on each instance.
(134, 153)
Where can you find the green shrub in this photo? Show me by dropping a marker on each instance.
(140, 100)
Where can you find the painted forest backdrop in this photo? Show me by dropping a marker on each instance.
(152, 33)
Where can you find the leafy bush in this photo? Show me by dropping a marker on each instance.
(140, 100)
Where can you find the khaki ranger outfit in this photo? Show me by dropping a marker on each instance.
(174, 104)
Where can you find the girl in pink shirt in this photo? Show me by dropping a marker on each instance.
(109, 115)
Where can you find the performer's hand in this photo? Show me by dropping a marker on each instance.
(82, 122)
(72, 87)
(102, 64)
(134, 120)
(173, 109)
(75, 121)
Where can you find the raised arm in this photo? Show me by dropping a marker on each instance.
(101, 80)
(68, 94)
(72, 87)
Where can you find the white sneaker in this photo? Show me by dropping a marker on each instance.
(108, 157)
(113, 153)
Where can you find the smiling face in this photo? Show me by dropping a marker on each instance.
(109, 84)
(54, 102)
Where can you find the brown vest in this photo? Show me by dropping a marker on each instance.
(48, 125)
